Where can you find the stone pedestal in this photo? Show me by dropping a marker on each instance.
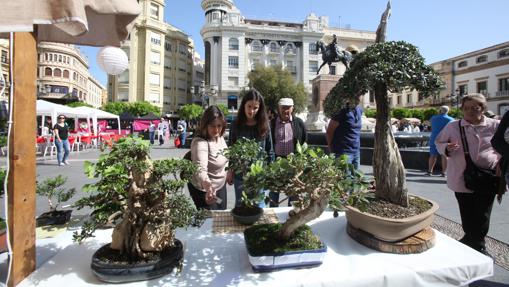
(321, 87)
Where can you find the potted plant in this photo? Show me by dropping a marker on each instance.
(52, 188)
(144, 198)
(241, 156)
(315, 179)
(3, 224)
(384, 67)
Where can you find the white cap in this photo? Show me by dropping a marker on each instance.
(286, 102)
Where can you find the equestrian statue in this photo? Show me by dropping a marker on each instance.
(331, 54)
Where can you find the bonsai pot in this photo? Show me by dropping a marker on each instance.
(390, 229)
(246, 215)
(56, 217)
(109, 266)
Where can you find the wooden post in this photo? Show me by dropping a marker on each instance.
(21, 184)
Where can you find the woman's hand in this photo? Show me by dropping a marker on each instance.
(452, 147)
(229, 177)
(210, 193)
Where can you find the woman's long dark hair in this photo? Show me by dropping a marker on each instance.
(211, 114)
(261, 116)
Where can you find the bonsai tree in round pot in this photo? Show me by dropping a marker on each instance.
(241, 156)
(52, 188)
(383, 68)
(144, 199)
(314, 179)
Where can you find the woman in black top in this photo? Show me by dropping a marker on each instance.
(61, 132)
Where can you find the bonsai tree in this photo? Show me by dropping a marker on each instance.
(52, 189)
(382, 68)
(310, 175)
(144, 197)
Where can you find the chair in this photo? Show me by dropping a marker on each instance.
(50, 144)
(76, 142)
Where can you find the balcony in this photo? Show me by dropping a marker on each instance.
(504, 93)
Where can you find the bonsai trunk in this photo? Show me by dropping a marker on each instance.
(388, 167)
(315, 208)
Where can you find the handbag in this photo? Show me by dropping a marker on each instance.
(477, 179)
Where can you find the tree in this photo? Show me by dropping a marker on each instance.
(401, 113)
(191, 112)
(224, 109)
(383, 67)
(275, 83)
(370, 113)
(115, 107)
(78, 104)
(429, 112)
(142, 108)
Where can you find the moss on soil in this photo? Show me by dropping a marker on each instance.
(383, 208)
(262, 239)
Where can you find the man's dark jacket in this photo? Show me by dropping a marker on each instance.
(298, 128)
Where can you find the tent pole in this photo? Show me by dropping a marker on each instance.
(21, 180)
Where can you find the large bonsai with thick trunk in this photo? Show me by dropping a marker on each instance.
(142, 197)
(383, 68)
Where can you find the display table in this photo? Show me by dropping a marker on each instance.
(221, 260)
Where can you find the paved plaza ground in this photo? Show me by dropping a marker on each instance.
(433, 188)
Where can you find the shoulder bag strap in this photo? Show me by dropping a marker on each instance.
(464, 142)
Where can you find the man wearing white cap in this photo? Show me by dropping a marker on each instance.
(286, 130)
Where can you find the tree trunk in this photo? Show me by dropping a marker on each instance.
(388, 167)
(314, 210)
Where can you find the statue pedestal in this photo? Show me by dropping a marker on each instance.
(322, 84)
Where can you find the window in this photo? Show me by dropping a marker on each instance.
(51, 57)
(503, 84)
(233, 62)
(290, 49)
(75, 76)
(313, 49)
(167, 46)
(503, 53)
(155, 38)
(154, 10)
(46, 56)
(167, 83)
(154, 97)
(48, 72)
(409, 98)
(463, 90)
(233, 44)
(182, 49)
(233, 81)
(272, 62)
(154, 79)
(232, 102)
(254, 63)
(181, 85)
(256, 46)
(155, 58)
(290, 66)
(482, 88)
(462, 64)
(167, 63)
(123, 96)
(182, 66)
(124, 77)
(399, 100)
(58, 73)
(273, 48)
(215, 16)
(481, 59)
(313, 66)
(332, 70)
(371, 97)
(4, 57)
(66, 74)
(60, 58)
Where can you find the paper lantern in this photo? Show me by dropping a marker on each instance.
(112, 60)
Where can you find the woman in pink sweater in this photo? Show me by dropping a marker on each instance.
(475, 207)
(208, 185)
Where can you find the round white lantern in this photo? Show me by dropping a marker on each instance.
(112, 60)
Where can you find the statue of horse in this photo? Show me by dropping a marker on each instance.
(330, 55)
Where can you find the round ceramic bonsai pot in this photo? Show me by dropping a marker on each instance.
(116, 271)
(389, 229)
(247, 215)
(54, 217)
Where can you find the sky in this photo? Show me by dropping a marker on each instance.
(441, 29)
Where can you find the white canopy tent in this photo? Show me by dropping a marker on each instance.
(98, 114)
(52, 110)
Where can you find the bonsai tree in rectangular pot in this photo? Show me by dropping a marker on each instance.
(312, 177)
(144, 199)
(52, 188)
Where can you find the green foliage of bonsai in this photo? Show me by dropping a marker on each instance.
(310, 175)
(191, 112)
(146, 196)
(384, 67)
(53, 189)
(275, 83)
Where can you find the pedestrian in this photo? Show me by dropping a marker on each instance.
(61, 133)
(251, 123)
(287, 130)
(500, 143)
(344, 134)
(161, 131)
(438, 122)
(208, 185)
(151, 132)
(474, 206)
(182, 131)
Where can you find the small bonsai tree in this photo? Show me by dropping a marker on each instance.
(384, 67)
(312, 177)
(52, 188)
(145, 196)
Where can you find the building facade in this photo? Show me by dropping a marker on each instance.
(5, 69)
(484, 71)
(198, 79)
(63, 75)
(234, 45)
(160, 62)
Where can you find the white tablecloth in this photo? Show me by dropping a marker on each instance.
(221, 260)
